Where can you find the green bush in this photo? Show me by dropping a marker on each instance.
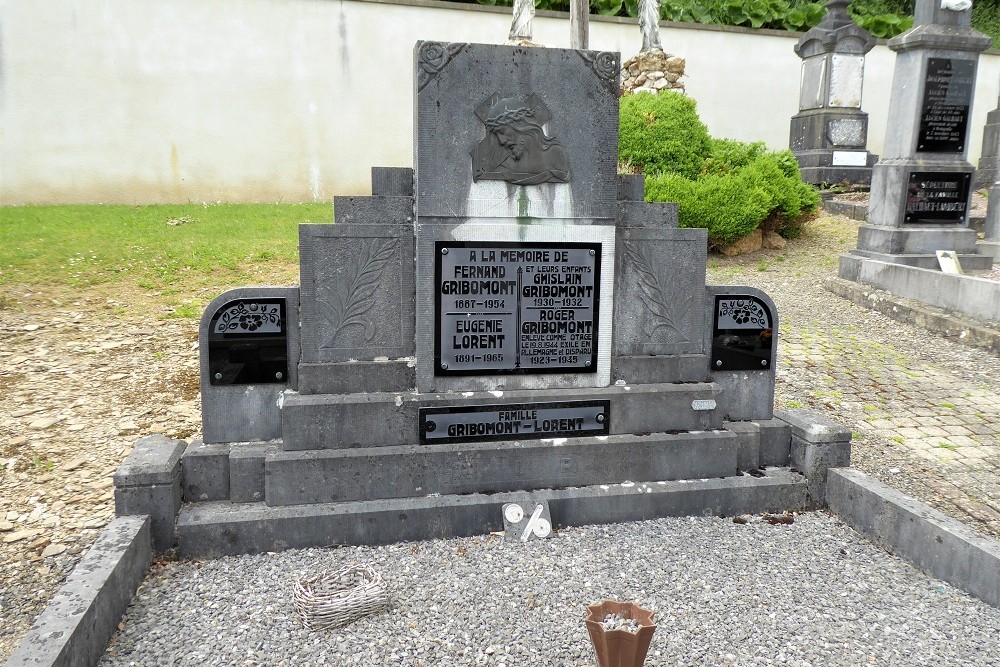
(661, 133)
(727, 187)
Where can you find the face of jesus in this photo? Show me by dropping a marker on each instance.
(512, 140)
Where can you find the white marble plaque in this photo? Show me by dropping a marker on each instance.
(850, 158)
(847, 75)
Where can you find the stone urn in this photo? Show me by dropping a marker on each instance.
(624, 646)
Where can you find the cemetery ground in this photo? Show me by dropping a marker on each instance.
(99, 316)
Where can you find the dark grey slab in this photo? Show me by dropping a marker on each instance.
(748, 443)
(83, 615)
(246, 470)
(939, 545)
(216, 529)
(374, 210)
(295, 478)
(240, 412)
(654, 369)
(659, 291)
(647, 214)
(351, 377)
(342, 421)
(357, 293)
(775, 442)
(205, 472)
(392, 181)
(455, 84)
(155, 459)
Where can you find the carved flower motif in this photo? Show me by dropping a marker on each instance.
(433, 55)
(606, 64)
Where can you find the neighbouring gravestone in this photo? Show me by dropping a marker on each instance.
(990, 245)
(987, 173)
(921, 187)
(829, 135)
(506, 323)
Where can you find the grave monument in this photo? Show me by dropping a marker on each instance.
(506, 322)
(829, 135)
(987, 174)
(921, 187)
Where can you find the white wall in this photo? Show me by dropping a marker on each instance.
(295, 100)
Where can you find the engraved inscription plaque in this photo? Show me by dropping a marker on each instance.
(944, 116)
(742, 335)
(514, 422)
(509, 307)
(937, 197)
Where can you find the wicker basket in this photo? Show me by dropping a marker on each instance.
(338, 598)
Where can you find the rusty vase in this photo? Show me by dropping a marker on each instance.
(620, 648)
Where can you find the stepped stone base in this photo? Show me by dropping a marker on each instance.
(223, 528)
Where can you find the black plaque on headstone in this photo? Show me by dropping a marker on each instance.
(944, 116)
(248, 343)
(509, 307)
(937, 197)
(520, 421)
(742, 334)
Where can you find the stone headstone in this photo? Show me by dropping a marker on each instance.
(921, 187)
(829, 135)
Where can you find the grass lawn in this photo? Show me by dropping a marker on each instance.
(175, 257)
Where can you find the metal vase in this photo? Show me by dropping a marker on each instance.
(620, 648)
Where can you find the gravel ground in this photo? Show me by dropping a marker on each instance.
(811, 593)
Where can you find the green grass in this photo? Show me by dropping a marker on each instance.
(163, 249)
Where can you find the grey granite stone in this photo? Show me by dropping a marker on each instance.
(375, 210)
(455, 84)
(817, 445)
(231, 413)
(246, 471)
(989, 156)
(647, 214)
(775, 442)
(205, 472)
(939, 545)
(659, 291)
(217, 529)
(925, 239)
(646, 369)
(349, 377)
(83, 615)
(631, 187)
(746, 394)
(297, 478)
(392, 181)
(748, 444)
(357, 292)
(343, 421)
(149, 482)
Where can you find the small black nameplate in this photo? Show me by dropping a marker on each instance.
(937, 197)
(248, 343)
(517, 421)
(944, 116)
(742, 335)
(507, 307)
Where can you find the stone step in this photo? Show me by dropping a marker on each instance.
(341, 421)
(325, 476)
(224, 528)
(969, 262)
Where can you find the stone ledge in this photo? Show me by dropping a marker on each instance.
(956, 326)
(76, 626)
(936, 544)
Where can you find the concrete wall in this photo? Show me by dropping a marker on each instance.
(295, 100)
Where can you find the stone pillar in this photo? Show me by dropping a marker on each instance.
(921, 186)
(829, 135)
(987, 172)
(990, 245)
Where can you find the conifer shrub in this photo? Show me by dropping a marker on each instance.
(725, 186)
(662, 133)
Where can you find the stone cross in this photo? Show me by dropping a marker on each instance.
(649, 23)
(579, 24)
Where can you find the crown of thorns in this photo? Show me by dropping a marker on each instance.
(509, 116)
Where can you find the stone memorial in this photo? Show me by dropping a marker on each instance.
(921, 187)
(986, 173)
(829, 135)
(505, 323)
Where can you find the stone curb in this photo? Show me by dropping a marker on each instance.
(951, 325)
(938, 545)
(76, 626)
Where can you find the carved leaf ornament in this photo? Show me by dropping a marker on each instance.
(349, 305)
(249, 317)
(653, 296)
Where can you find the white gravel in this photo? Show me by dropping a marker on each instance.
(811, 593)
